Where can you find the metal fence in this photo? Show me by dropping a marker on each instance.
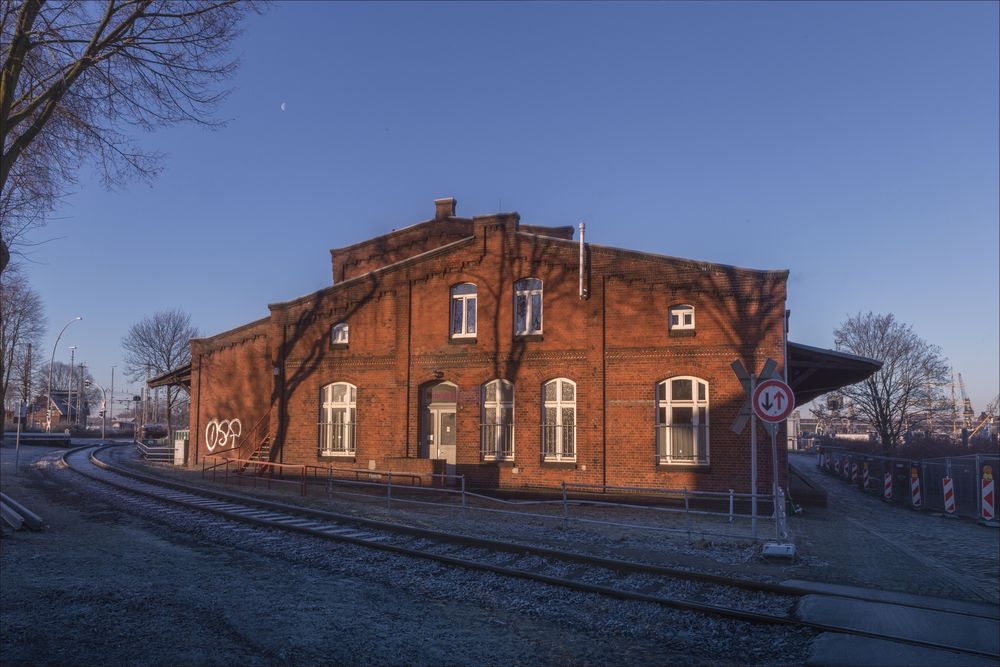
(954, 485)
(683, 443)
(497, 441)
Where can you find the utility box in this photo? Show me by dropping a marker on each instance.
(180, 448)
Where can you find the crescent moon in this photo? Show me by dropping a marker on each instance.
(283, 106)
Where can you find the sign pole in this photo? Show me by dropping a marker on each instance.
(774, 482)
(753, 462)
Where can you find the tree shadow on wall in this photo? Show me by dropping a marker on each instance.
(306, 342)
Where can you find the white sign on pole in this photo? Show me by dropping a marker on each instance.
(773, 401)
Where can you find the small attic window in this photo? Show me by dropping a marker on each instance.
(681, 317)
(339, 334)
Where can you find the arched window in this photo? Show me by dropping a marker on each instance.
(681, 317)
(559, 420)
(463, 311)
(528, 307)
(497, 443)
(682, 421)
(338, 417)
(339, 334)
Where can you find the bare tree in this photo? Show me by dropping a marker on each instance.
(22, 321)
(159, 344)
(76, 74)
(912, 370)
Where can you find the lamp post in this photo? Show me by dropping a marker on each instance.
(69, 385)
(52, 359)
(104, 416)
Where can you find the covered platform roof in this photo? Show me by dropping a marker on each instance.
(813, 371)
(178, 376)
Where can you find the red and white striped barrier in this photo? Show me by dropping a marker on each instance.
(949, 495)
(854, 473)
(887, 486)
(988, 512)
(915, 497)
(867, 477)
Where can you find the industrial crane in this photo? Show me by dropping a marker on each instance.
(968, 414)
(987, 418)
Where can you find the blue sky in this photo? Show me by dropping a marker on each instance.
(855, 144)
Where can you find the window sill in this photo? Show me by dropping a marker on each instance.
(560, 464)
(501, 462)
(529, 338)
(682, 333)
(463, 340)
(678, 465)
(338, 456)
(338, 346)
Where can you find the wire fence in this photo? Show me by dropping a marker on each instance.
(954, 485)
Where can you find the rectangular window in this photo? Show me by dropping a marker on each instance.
(528, 307)
(559, 420)
(338, 418)
(681, 317)
(497, 427)
(463, 311)
(682, 421)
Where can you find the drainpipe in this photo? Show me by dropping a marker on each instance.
(583, 290)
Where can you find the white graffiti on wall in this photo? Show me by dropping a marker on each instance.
(222, 433)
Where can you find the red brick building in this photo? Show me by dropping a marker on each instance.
(508, 353)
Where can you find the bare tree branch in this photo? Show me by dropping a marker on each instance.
(76, 74)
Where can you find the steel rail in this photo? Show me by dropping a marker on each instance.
(292, 511)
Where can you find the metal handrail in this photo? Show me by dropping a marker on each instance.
(559, 442)
(699, 442)
(496, 441)
(252, 433)
(331, 432)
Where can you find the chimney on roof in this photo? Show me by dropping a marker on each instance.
(444, 208)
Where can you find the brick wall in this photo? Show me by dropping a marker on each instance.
(231, 379)
(615, 345)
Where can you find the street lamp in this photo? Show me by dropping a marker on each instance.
(69, 385)
(52, 359)
(104, 415)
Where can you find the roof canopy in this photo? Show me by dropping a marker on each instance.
(813, 371)
(178, 376)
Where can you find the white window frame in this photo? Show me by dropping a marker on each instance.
(493, 430)
(700, 423)
(340, 333)
(331, 430)
(527, 289)
(684, 315)
(461, 303)
(555, 430)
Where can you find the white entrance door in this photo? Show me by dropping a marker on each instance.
(440, 402)
(442, 435)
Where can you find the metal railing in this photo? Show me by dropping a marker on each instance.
(559, 442)
(655, 509)
(337, 438)
(497, 442)
(682, 443)
(161, 449)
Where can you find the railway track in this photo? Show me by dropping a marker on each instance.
(719, 596)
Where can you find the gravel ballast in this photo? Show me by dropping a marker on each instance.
(115, 580)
